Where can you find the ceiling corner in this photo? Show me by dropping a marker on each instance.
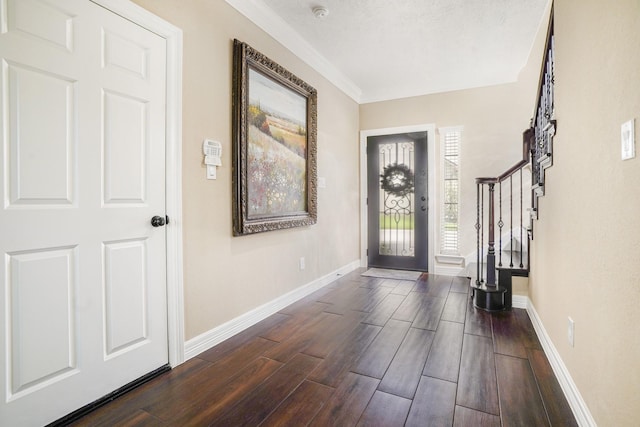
(267, 20)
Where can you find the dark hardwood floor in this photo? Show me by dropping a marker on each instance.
(362, 351)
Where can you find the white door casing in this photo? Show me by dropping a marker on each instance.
(173, 167)
(83, 170)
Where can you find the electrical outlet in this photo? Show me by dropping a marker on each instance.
(301, 263)
(570, 330)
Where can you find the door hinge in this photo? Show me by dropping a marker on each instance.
(367, 201)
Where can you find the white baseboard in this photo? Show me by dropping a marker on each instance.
(449, 271)
(205, 341)
(519, 301)
(215, 336)
(457, 260)
(576, 402)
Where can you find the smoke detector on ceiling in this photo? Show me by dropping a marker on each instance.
(320, 11)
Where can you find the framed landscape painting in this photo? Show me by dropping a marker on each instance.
(274, 145)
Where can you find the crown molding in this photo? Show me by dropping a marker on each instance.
(262, 16)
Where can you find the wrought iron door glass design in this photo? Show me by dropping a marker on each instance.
(397, 199)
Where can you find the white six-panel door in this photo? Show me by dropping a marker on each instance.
(82, 171)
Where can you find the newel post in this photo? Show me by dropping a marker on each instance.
(491, 253)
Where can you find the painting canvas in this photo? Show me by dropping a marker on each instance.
(277, 148)
(274, 145)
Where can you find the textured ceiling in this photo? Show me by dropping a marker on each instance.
(390, 49)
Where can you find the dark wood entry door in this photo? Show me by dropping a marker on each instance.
(397, 201)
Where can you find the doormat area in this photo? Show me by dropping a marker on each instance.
(392, 274)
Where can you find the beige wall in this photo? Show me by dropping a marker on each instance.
(586, 250)
(226, 276)
(491, 124)
(493, 119)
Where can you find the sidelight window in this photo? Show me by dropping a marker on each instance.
(450, 206)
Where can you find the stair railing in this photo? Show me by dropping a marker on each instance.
(537, 154)
(537, 146)
(508, 205)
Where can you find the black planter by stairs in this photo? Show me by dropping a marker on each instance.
(497, 297)
(488, 298)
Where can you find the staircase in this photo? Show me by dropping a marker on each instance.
(504, 213)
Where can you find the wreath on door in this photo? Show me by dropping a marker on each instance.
(397, 179)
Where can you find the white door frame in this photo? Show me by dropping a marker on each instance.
(173, 37)
(431, 166)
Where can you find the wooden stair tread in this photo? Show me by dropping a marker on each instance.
(519, 272)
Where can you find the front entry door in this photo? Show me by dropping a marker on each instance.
(397, 201)
(83, 271)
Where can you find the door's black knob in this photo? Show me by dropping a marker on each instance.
(423, 198)
(423, 208)
(157, 221)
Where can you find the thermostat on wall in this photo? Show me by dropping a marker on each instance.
(212, 151)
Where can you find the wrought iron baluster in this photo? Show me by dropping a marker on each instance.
(477, 232)
(482, 233)
(500, 223)
(511, 220)
(491, 252)
(521, 238)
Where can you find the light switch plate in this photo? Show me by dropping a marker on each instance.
(570, 331)
(211, 172)
(627, 139)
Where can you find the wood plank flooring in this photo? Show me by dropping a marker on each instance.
(363, 351)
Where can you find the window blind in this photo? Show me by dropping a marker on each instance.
(450, 192)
